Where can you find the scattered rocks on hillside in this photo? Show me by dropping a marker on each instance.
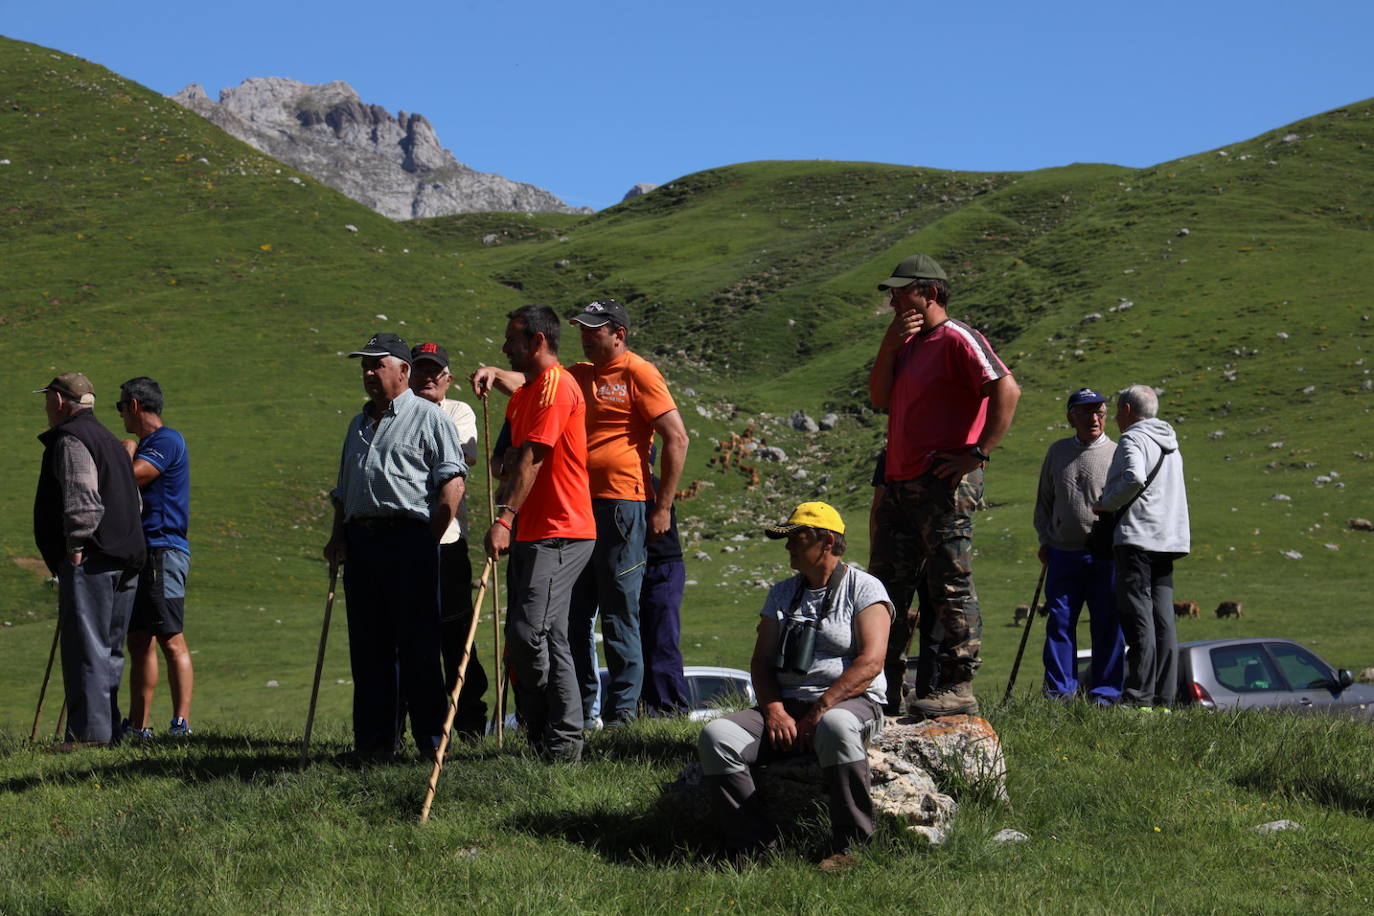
(1092, 316)
(829, 421)
(1360, 524)
(771, 453)
(1292, 554)
(1282, 335)
(803, 423)
(1183, 232)
(1009, 836)
(1281, 498)
(909, 761)
(1291, 138)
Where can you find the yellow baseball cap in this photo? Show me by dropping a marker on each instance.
(808, 515)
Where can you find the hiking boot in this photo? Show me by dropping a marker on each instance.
(950, 700)
(179, 728)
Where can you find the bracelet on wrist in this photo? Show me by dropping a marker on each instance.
(978, 453)
(505, 524)
(513, 510)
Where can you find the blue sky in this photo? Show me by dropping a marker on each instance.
(588, 99)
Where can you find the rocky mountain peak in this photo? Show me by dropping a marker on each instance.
(391, 163)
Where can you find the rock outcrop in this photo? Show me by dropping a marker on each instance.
(914, 765)
(392, 164)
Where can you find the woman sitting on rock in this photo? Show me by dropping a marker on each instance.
(818, 675)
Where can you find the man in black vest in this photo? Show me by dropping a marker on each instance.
(86, 524)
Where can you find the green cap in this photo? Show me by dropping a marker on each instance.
(916, 267)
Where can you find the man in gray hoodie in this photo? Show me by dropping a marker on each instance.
(1151, 534)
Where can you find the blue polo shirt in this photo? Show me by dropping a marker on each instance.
(167, 500)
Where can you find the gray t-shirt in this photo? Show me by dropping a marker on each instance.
(836, 642)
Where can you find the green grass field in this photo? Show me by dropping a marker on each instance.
(138, 239)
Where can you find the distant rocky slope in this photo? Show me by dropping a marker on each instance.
(393, 164)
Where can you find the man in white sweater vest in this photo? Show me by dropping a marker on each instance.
(1071, 481)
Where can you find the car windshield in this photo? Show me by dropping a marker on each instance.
(708, 690)
(1245, 669)
(1300, 667)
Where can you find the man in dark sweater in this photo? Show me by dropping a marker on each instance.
(87, 528)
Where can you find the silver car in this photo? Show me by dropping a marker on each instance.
(1266, 673)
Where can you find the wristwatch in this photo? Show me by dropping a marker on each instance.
(978, 453)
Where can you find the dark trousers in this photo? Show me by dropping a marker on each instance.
(1145, 604)
(95, 601)
(455, 594)
(924, 532)
(660, 629)
(391, 581)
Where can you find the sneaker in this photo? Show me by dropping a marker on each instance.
(127, 732)
(951, 700)
(178, 729)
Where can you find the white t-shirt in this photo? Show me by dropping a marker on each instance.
(837, 640)
(465, 421)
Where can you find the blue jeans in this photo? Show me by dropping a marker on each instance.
(611, 582)
(95, 601)
(1074, 577)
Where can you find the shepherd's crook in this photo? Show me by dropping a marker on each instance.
(1025, 635)
(495, 584)
(453, 694)
(319, 661)
(47, 672)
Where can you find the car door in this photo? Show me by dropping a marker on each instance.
(1246, 677)
(1310, 680)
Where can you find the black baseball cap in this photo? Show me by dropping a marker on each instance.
(384, 345)
(430, 351)
(916, 267)
(597, 313)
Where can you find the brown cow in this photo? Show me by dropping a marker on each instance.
(1186, 609)
(1229, 609)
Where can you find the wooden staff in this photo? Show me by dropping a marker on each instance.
(453, 694)
(319, 661)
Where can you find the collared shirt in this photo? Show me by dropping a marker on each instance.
(397, 468)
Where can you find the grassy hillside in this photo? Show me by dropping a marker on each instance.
(141, 240)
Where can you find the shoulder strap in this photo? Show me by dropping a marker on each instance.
(832, 587)
(1163, 453)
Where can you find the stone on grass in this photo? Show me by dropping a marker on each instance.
(1009, 836)
(913, 764)
(803, 423)
(1277, 826)
(829, 421)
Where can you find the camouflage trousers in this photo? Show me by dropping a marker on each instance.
(921, 547)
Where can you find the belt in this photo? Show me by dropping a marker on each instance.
(383, 522)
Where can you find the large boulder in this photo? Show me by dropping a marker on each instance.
(918, 767)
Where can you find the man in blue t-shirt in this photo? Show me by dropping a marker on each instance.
(160, 468)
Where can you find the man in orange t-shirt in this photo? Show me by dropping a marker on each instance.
(545, 508)
(627, 403)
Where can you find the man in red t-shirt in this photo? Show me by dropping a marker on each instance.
(544, 506)
(950, 401)
(627, 403)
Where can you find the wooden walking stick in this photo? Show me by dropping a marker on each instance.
(319, 661)
(61, 721)
(47, 673)
(453, 694)
(1025, 635)
(500, 670)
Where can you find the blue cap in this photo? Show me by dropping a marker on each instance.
(1085, 396)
